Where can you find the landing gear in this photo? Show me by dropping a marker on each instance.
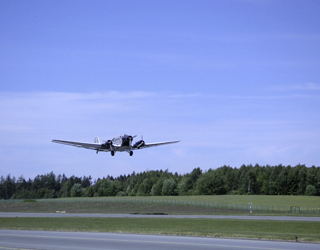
(130, 153)
(112, 153)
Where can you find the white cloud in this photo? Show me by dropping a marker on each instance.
(305, 86)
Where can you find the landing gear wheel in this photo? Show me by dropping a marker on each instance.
(131, 153)
(112, 153)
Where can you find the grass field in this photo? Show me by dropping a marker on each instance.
(275, 230)
(116, 208)
(261, 200)
(171, 205)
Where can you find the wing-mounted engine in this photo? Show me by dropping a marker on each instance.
(107, 144)
(139, 144)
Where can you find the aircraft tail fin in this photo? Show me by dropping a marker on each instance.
(96, 140)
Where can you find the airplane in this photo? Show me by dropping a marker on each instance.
(120, 143)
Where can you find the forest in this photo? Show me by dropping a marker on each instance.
(248, 179)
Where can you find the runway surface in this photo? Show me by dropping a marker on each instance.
(282, 218)
(32, 240)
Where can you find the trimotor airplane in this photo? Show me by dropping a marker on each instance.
(120, 143)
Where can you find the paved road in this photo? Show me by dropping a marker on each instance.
(282, 218)
(32, 240)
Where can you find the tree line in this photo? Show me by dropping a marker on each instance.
(248, 179)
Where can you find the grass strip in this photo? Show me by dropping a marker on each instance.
(258, 229)
(126, 208)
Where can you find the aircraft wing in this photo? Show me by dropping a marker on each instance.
(93, 146)
(155, 144)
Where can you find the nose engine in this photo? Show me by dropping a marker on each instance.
(130, 138)
(127, 140)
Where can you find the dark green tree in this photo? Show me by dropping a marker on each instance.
(169, 187)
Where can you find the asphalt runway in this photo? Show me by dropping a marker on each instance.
(55, 240)
(282, 218)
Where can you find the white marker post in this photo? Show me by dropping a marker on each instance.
(250, 207)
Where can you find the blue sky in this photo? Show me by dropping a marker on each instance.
(238, 82)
